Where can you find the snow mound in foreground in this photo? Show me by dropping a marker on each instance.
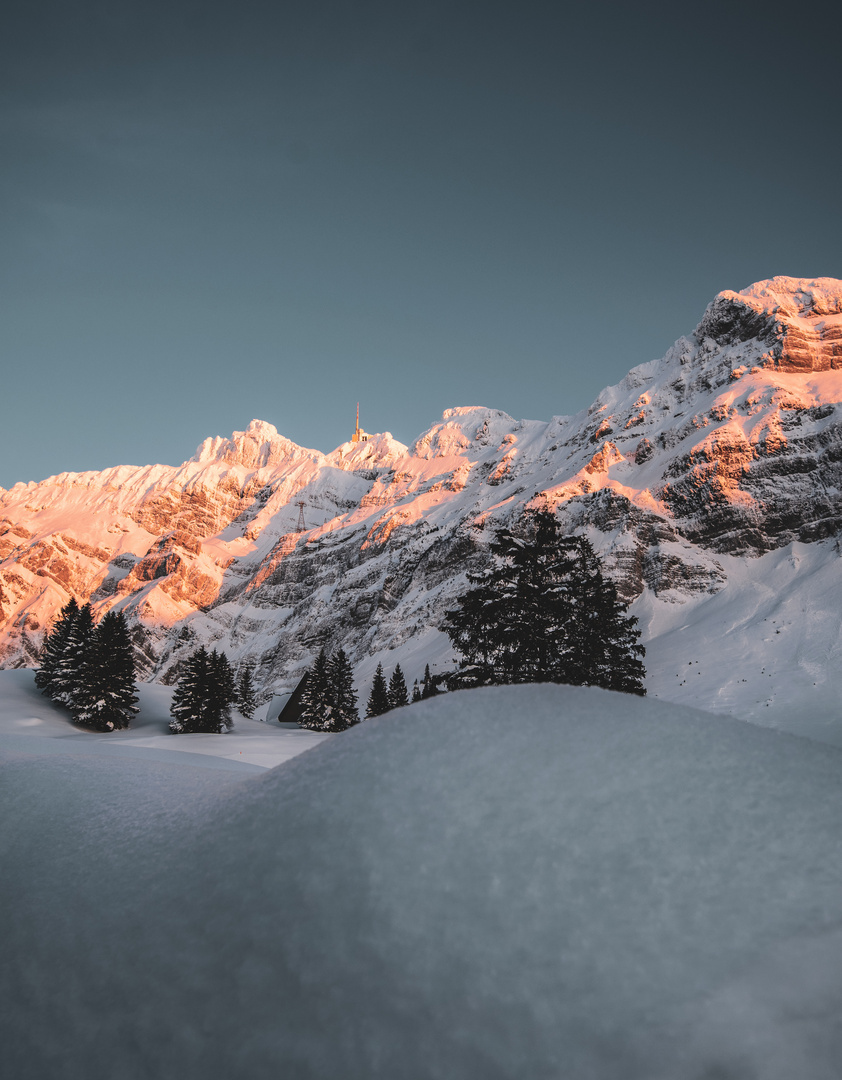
(534, 882)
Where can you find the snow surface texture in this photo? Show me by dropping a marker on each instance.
(537, 882)
(251, 747)
(710, 481)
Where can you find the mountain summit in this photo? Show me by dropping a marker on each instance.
(693, 477)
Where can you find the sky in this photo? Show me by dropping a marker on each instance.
(211, 212)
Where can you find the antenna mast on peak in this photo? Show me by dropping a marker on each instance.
(359, 435)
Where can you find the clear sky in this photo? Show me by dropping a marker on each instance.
(217, 211)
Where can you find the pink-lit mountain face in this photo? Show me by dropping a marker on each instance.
(694, 469)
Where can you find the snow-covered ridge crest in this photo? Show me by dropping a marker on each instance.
(723, 452)
(258, 447)
(793, 296)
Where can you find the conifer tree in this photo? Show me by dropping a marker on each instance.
(543, 612)
(221, 691)
(378, 699)
(203, 697)
(53, 648)
(246, 700)
(344, 696)
(70, 667)
(429, 688)
(106, 698)
(398, 695)
(608, 653)
(416, 692)
(316, 701)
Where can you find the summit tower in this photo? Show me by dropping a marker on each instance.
(359, 435)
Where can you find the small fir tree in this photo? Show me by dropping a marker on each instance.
(246, 700)
(398, 695)
(428, 688)
(378, 699)
(416, 692)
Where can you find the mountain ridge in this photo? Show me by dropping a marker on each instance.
(729, 447)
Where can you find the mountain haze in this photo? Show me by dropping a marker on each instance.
(710, 481)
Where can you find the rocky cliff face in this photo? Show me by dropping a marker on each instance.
(728, 448)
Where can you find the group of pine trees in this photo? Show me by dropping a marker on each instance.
(393, 694)
(544, 612)
(206, 692)
(90, 668)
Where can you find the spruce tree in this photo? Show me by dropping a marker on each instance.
(344, 696)
(416, 692)
(378, 699)
(188, 703)
(608, 653)
(203, 697)
(246, 700)
(428, 688)
(106, 698)
(221, 691)
(317, 699)
(53, 648)
(398, 695)
(543, 612)
(70, 667)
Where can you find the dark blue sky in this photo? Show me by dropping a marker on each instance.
(212, 212)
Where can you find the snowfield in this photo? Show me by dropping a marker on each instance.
(24, 712)
(519, 882)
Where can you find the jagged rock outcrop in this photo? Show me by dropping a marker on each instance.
(730, 446)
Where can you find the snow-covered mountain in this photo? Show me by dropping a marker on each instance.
(711, 481)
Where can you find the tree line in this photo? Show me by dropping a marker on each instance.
(329, 702)
(541, 611)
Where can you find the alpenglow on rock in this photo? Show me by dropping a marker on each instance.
(687, 474)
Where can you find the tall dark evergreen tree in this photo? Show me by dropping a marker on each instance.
(344, 695)
(398, 695)
(246, 700)
(609, 654)
(378, 699)
(543, 612)
(317, 699)
(71, 666)
(222, 690)
(106, 697)
(53, 648)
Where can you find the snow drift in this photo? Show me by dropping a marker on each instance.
(518, 882)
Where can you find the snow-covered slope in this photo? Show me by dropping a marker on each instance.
(252, 746)
(522, 882)
(710, 475)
